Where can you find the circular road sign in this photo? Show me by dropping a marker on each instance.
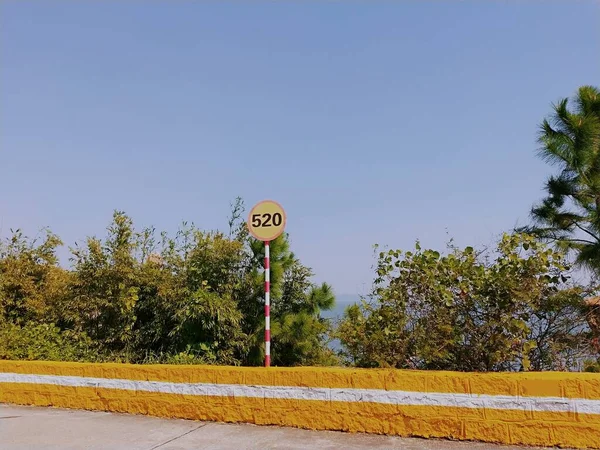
(266, 220)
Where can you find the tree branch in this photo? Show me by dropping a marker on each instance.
(584, 241)
(586, 231)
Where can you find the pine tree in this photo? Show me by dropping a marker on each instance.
(570, 214)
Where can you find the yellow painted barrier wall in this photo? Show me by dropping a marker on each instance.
(548, 409)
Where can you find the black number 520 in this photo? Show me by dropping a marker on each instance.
(266, 220)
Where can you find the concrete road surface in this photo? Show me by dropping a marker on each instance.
(61, 429)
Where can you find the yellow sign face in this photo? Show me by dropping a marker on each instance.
(266, 220)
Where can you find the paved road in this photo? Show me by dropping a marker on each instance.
(49, 428)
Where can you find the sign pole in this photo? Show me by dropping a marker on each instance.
(267, 306)
(266, 223)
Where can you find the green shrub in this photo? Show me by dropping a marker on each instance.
(592, 366)
(44, 342)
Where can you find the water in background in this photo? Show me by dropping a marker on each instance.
(341, 303)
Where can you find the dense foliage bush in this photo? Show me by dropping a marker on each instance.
(44, 342)
(137, 296)
(513, 309)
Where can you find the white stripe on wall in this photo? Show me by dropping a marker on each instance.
(408, 398)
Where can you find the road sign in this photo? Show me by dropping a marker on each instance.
(266, 220)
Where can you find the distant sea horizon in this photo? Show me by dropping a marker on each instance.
(342, 301)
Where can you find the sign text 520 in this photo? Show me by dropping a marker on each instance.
(266, 220)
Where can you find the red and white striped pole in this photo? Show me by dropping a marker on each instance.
(266, 223)
(267, 307)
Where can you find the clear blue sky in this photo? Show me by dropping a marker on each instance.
(370, 122)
